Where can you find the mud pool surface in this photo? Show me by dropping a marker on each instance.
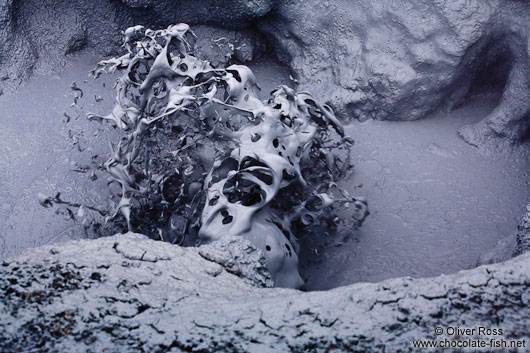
(436, 203)
(40, 153)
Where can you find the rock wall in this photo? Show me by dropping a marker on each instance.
(386, 59)
(404, 59)
(36, 35)
(130, 294)
(512, 245)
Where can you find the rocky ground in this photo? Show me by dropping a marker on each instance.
(127, 293)
(523, 234)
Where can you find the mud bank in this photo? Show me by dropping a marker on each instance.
(131, 294)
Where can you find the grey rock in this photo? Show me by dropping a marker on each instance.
(130, 294)
(402, 60)
(223, 46)
(239, 257)
(229, 13)
(138, 3)
(398, 60)
(523, 234)
(36, 34)
(16, 55)
(513, 245)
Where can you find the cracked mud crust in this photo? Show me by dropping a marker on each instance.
(128, 293)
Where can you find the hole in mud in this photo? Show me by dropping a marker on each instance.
(228, 165)
(228, 219)
(239, 190)
(213, 201)
(183, 67)
(482, 74)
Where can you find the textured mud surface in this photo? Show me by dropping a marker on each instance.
(401, 60)
(46, 147)
(438, 205)
(398, 60)
(40, 152)
(127, 293)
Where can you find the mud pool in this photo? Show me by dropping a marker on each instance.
(40, 152)
(436, 203)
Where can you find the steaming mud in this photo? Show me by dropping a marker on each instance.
(436, 203)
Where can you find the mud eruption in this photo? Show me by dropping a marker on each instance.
(275, 164)
(434, 93)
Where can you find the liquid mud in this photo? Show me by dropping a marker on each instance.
(436, 203)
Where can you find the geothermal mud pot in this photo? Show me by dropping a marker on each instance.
(428, 100)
